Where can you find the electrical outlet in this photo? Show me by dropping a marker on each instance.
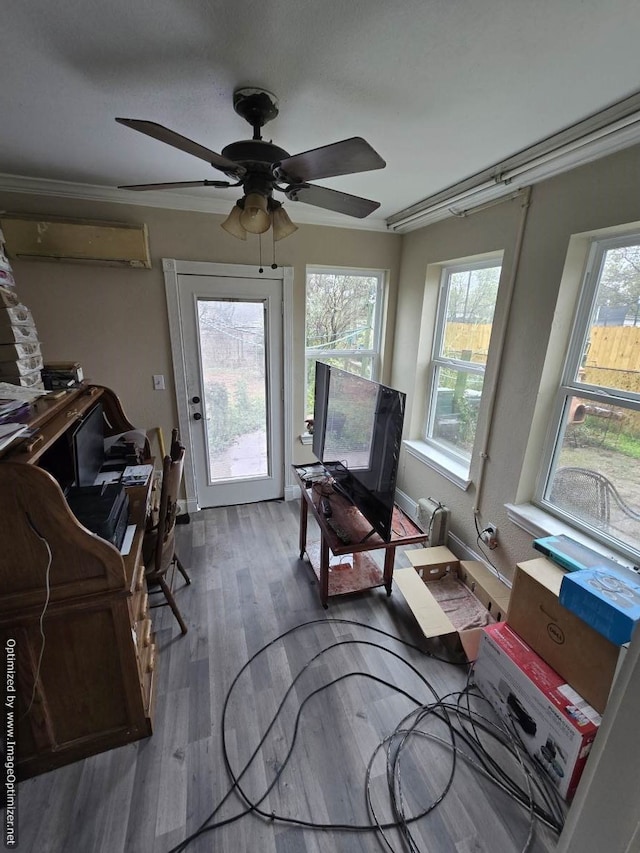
(490, 536)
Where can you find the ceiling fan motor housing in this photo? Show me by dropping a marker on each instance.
(257, 158)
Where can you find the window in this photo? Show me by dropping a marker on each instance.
(591, 471)
(464, 320)
(343, 322)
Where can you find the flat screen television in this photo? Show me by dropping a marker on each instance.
(88, 447)
(357, 435)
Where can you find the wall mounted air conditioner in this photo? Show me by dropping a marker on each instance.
(75, 240)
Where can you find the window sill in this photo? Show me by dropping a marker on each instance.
(306, 438)
(539, 523)
(453, 471)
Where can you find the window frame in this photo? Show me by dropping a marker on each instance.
(374, 353)
(570, 386)
(459, 461)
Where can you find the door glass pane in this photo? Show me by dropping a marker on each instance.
(232, 353)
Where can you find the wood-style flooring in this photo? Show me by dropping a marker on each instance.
(249, 587)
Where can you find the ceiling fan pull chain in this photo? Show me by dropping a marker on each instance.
(260, 269)
(274, 265)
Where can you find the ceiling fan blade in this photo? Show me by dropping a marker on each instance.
(163, 134)
(339, 158)
(174, 184)
(352, 205)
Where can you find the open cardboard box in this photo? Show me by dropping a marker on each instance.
(456, 618)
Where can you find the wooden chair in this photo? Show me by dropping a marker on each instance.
(158, 549)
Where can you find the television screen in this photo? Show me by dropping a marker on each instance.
(88, 447)
(357, 435)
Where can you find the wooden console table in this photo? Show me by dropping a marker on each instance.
(89, 685)
(361, 572)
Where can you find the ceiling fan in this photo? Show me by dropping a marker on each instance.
(261, 168)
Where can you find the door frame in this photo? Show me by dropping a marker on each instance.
(172, 269)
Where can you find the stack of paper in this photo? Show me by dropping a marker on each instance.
(14, 411)
(8, 432)
(17, 392)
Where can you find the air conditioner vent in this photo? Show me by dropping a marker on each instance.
(30, 237)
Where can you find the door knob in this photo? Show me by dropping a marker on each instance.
(195, 399)
(197, 416)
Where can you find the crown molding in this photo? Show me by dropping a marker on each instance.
(300, 213)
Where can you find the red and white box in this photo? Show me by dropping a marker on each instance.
(556, 726)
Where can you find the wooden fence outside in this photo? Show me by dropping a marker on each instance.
(613, 357)
(613, 360)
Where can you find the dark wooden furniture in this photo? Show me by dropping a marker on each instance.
(73, 608)
(159, 551)
(342, 577)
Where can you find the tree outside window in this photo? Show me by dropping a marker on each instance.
(343, 322)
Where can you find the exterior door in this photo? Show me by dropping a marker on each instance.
(232, 347)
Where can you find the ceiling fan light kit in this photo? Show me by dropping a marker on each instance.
(255, 217)
(261, 168)
(232, 224)
(281, 224)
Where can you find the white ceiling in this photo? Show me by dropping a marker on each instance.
(440, 88)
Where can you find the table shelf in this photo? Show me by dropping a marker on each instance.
(335, 575)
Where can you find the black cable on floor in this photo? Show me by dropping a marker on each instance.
(483, 763)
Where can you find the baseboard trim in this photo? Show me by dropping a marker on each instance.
(292, 493)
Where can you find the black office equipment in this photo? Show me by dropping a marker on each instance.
(104, 510)
(88, 447)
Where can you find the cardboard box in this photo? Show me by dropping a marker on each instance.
(6, 277)
(608, 601)
(12, 352)
(457, 620)
(15, 315)
(18, 334)
(28, 380)
(8, 297)
(581, 655)
(556, 726)
(12, 369)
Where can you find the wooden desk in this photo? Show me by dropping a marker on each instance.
(90, 685)
(362, 572)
